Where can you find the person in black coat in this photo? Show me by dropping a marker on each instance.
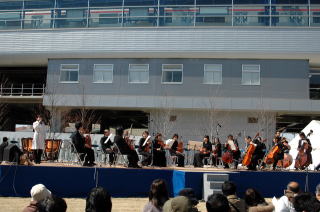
(106, 145)
(4, 144)
(78, 141)
(144, 149)
(217, 151)
(159, 153)
(125, 149)
(258, 153)
(174, 150)
(204, 152)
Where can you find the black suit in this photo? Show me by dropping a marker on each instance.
(159, 156)
(180, 156)
(146, 155)
(107, 148)
(125, 150)
(258, 154)
(198, 157)
(79, 143)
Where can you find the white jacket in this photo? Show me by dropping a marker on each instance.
(39, 135)
(284, 205)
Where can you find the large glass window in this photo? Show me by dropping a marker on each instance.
(69, 73)
(177, 16)
(250, 74)
(10, 20)
(140, 16)
(138, 73)
(71, 18)
(111, 16)
(103, 73)
(172, 73)
(212, 74)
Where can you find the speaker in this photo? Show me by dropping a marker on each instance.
(12, 153)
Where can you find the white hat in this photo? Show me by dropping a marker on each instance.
(39, 192)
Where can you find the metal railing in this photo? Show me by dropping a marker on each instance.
(24, 89)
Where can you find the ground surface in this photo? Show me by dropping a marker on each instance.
(9, 204)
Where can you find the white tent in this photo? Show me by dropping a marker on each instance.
(315, 142)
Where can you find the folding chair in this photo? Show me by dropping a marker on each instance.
(120, 159)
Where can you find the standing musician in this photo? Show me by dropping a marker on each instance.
(258, 152)
(301, 148)
(145, 148)
(173, 148)
(159, 153)
(233, 147)
(217, 151)
(38, 141)
(106, 145)
(204, 152)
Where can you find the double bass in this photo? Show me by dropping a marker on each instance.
(304, 155)
(249, 153)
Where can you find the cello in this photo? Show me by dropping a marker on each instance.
(249, 153)
(304, 159)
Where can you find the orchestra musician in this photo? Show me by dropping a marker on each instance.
(280, 155)
(204, 152)
(159, 154)
(80, 145)
(125, 149)
(106, 145)
(173, 148)
(301, 147)
(145, 148)
(217, 151)
(259, 152)
(233, 147)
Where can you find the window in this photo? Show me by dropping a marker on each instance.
(252, 120)
(69, 73)
(212, 74)
(103, 73)
(250, 74)
(172, 73)
(138, 73)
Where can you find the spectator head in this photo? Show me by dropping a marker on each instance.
(52, 204)
(175, 136)
(292, 190)
(39, 192)
(252, 197)
(229, 188)
(178, 204)
(189, 193)
(4, 139)
(318, 192)
(78, 125)
(306, 202)
(217, 203)
(158, 193)
(119, 131)
(98, 200)
(106, 132)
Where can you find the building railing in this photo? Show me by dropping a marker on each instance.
(159, 15)
(315, 93)
(26, 89)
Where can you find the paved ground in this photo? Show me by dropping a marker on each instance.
(9, 204)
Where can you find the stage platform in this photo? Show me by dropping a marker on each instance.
(75, 181)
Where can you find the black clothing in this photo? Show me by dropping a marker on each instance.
(107, 148)
(173, 152)
(236, 154)
(2, 146)
(159, 156)
(198, 157)
(280, 155)
(216, 153)
(37, 153)
(125, 150)
(86, 154)
(258, 154)
(147, 156)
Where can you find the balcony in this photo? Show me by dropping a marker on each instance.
(19, 93)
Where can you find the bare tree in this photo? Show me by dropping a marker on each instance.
(4, 110)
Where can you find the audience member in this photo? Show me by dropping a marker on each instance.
(38, 193)
(98, 200)
(318, 192)
(158, 195)
(306, 202)
(284, 204)
(190, 194)
(229, 189)
(178, 204)
(217, 203)
(255, 202)
(52, 204)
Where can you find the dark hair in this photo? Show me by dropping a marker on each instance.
(158, 135)
(175, 135)
(216, 139)
(302, 134)
(78, 125)
(229, 188)
(306, 202)
(39, 116)
(253, 198)
(98, 200)
(146, 132)
(52, 204)
(158, 193)
(119, 131)
(5, 139)
(318, 189)
(190, 194)
(207, 137)
(230, 136)
(248, 137)
(217, 203)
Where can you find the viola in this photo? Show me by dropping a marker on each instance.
(130, 142)
(248, 156)
(161, 143)
(88, 142)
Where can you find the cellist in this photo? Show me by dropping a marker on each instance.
(302, 148)
(145, 148)
(279, 156)
(258, 152)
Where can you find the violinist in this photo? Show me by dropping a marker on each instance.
(106, 145)
(217, 151)
(304, 147)
(145, 148)
(159, 153)
(173, 148)
(233, 147)
(204, 152)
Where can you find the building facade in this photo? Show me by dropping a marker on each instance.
(170, 66)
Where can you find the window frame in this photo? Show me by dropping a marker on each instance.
(172, 83)
(102, 82)
(204, 71)
(251, 71)
(71, 82)
(147, 82)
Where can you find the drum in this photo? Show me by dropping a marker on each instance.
(52, 148)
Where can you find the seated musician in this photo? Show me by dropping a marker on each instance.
(280, 154)
(217, 151)
(145, 148)
(80, 145)
(125, 149)
(258, 153)
(301, 147)
(204, 152)
(159, 154)
(234, 149)
(106, 145)
(173, 149)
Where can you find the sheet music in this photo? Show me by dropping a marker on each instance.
(169, 142)
(232, 145)
(108, 138)
(145, 142)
